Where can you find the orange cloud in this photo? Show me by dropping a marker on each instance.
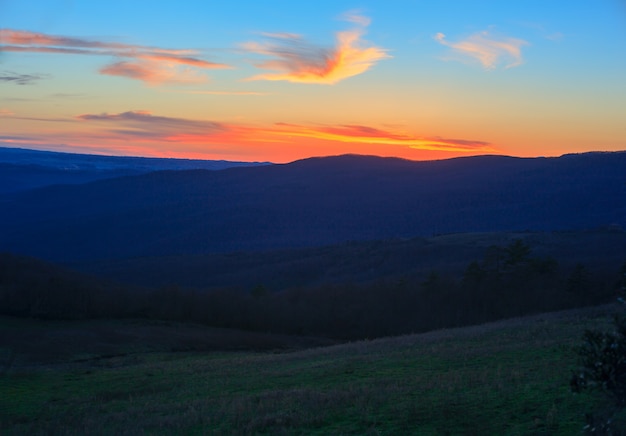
(153, 65)
(488, 49)
(154, 135)
(142, 124)
(299, 61)
(370, 135)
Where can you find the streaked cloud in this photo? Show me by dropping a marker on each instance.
(488, 49)
(19, 99)
(356, 18)
(154, 72)
(225, 92)
(146, 132)
(144, 124)
(152, 65)
(296, 60)
(15, 139)
(20, 79)
(371, 135)
(67, 95)
(542, 31)
(43, 119)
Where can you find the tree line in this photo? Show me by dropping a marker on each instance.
(508, 281)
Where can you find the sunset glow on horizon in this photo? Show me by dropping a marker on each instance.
(278, 81)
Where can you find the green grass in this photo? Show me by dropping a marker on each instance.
(508, 378)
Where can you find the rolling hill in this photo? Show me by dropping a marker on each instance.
(312, 202)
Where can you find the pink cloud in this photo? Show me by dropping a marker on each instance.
(152, 65)
(153, 73)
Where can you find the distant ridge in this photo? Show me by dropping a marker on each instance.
(314, 202)
(22, 169)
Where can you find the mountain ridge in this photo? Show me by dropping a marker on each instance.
(313, 202)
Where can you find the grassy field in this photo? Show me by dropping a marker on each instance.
(505, 378)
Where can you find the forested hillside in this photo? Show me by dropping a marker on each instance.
(506, 280)
(313, 202)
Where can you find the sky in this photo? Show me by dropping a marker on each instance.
(282, 80)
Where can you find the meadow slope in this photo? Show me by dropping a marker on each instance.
(509, 377)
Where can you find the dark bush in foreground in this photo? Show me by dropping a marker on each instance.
(603, 369)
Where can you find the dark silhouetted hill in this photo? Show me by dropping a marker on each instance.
(313, 202)
(22, 169)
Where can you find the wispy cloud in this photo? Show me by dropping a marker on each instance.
(147, 133)
(152, 65)
(371, 135)
(67, 95)
(144, 124)
(154, 72)
(43, 119)
(543, 31)
(356, 18)
(225, 92)
(20, 79)
(296, 60)
(17, 139)
(488, 49)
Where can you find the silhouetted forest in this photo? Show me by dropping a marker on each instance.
(506, 281)
(356, 262)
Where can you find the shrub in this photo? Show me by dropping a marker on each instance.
(603, 368)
